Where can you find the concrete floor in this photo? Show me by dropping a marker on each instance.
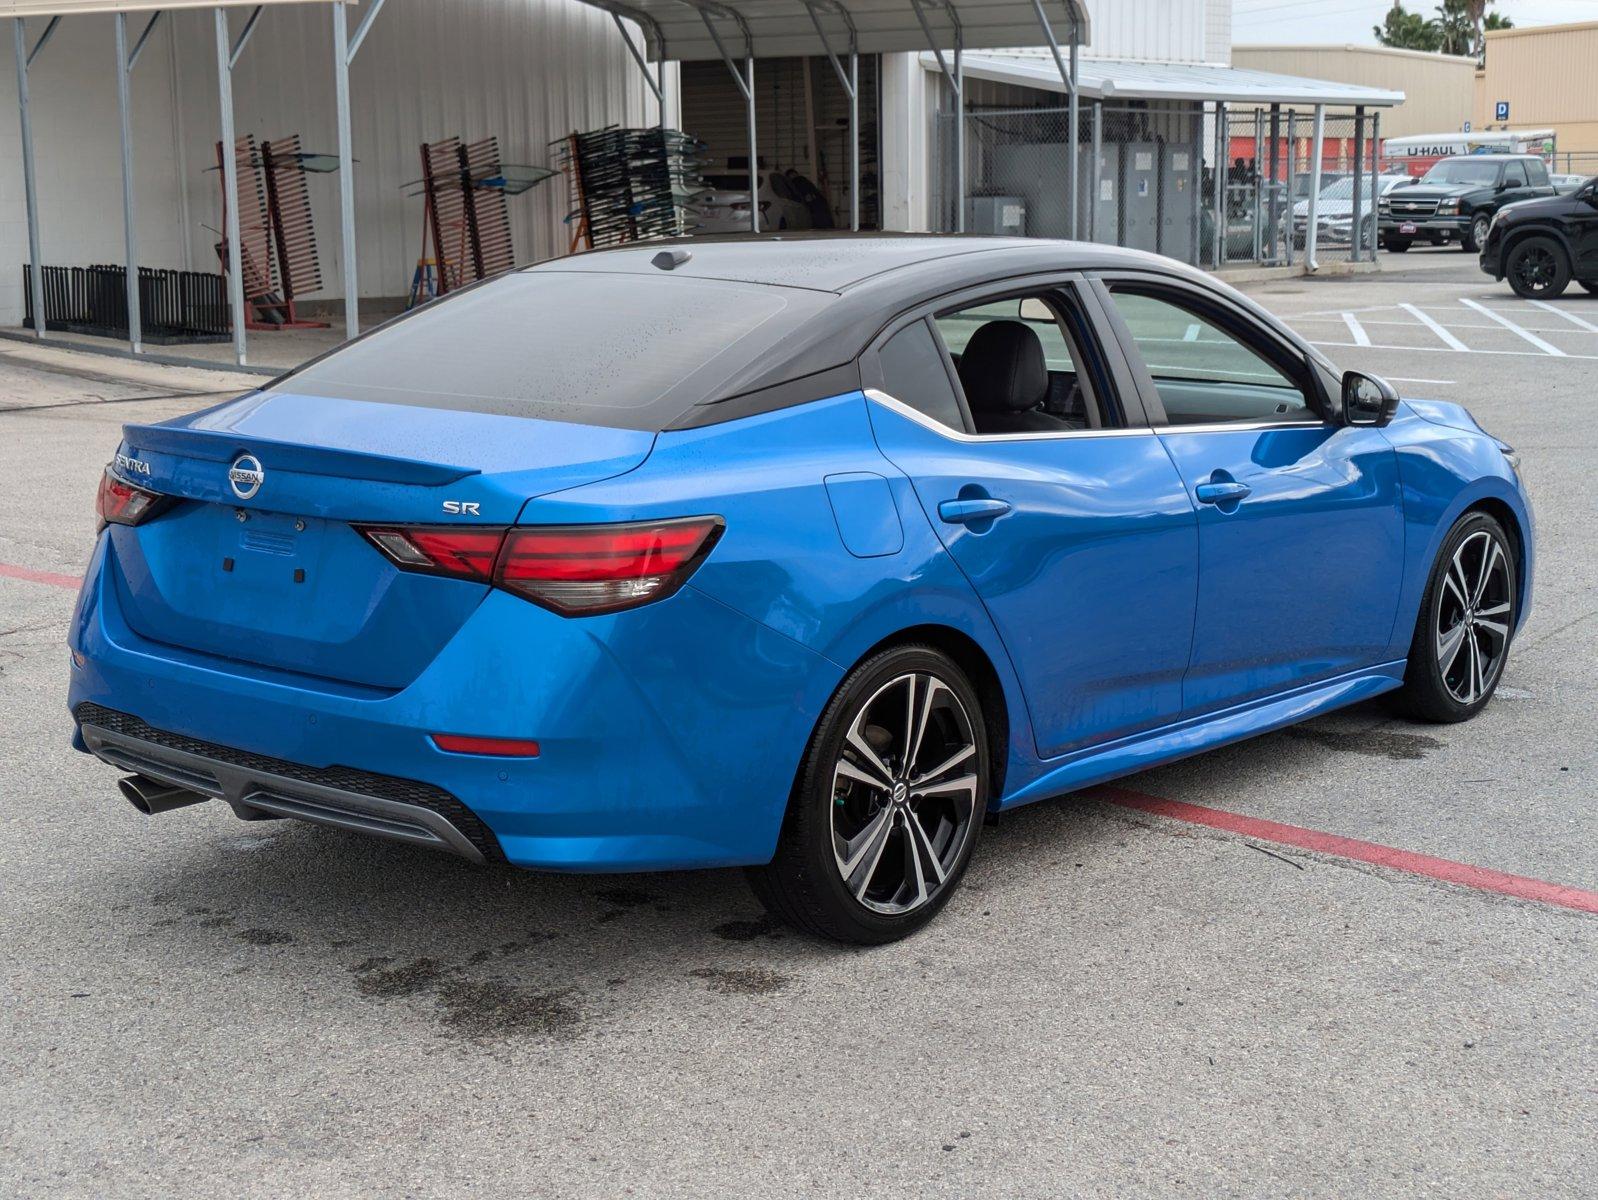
(1115, 1005)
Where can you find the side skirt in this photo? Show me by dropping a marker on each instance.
(1171, 742)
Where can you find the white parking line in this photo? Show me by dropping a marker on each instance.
(1446, 350)
(1356, 330)
(1571, 317)
(1545, 347)
(1449, 339)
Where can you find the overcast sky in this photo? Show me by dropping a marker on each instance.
(1339, 21)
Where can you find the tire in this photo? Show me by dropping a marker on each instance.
(1476, 235)
(1396, 244)
(844, 810)
(1537, 269)
(1465, 626)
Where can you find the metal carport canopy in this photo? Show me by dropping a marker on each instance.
(779, 28)
(1110, 79)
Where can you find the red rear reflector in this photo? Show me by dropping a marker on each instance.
(457, 743)
(120, 503)
(572, 569)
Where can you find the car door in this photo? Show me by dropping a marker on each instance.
(1300, 518)
(1076, 533)
(1581, 227)
(1514, 185)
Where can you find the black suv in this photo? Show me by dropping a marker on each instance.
(1541, 245)
(1456, 199)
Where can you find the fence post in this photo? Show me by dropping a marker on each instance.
(1355, 208)
(1376, 176)
(1222, 173)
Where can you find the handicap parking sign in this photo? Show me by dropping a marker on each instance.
(1501, 111)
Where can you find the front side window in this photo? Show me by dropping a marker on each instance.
(1515, 175)
(1203, 371)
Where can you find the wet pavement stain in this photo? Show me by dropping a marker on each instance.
(1373, 743)
(263, 937)
(746, 981)
(418, 975)
(748, 931)
(484, 1010)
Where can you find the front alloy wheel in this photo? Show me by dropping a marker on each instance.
(888, 802)
(1466, 622)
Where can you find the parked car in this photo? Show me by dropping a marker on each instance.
(1456, 199)
(1334, 211)
(1565, 184)
(800, 554)
(1541, 246)
(725, 208)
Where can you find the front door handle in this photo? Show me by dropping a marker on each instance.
(1221, 492)
(967, 512)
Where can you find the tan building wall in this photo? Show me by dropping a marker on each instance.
(1549, 75)
(1438, 88)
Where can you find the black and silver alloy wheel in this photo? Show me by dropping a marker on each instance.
(1537, 268)
(904, 793)
(1472, 625)
(1466, 623)
(888, 802)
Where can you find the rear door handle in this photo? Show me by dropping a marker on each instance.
(964, 512)
(1221, 492)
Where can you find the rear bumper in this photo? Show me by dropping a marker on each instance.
(669, 735)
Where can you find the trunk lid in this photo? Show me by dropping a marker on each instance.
(261, 563)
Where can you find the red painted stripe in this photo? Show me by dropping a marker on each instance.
(8, 571)
(1444, 869)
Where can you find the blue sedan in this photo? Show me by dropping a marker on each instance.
(800, 555)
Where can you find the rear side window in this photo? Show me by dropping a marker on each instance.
(913, 373)
(633, 351)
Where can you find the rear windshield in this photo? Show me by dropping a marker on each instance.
(625, 350)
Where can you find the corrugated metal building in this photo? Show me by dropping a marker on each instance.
(1548, 75)
(528, 71)
(1438, 89)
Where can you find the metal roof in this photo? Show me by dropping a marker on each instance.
(1116, 79)
(676, 29)
(73, 8)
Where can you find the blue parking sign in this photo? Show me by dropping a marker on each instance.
(1501, 111)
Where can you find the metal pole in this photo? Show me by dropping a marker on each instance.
(29, 179)
(1311, 234)
(1354, 214)
(230, 183)
(1376, 175)
(1290, 216)
(660, 89)
(1075, 126)
(129, 233)
(854, 134)
(754, 159)
(1097, 173)
(1222, 195)
(959, 131)
(1272, 203)
(346, 170)
(1259, 184)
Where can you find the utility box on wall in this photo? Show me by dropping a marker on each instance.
(1140, 195)
(1002, 215)
(1101, 202)
(1179, 189)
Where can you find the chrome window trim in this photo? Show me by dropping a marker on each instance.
(894, 404)
(1242, 426)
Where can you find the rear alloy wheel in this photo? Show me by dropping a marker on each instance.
(1537, 269)
(888, 804)
(1466, 621)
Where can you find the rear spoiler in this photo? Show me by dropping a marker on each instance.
(224, 446)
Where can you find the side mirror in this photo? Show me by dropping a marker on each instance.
(1368, 400)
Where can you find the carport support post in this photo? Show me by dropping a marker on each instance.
(854, 135)
(1067, 77)
(1098, 170)
(1222, 174)
(129, 232)
(1376, 178)
(346, 170)
(230, 183)
(1271, 230)
(754, 158)
(1312, 230)
(1355, 213)
(29, 180)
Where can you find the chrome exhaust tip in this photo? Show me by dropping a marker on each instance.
(151, 797)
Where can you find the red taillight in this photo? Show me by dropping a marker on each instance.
(120, 503)
(572, 569)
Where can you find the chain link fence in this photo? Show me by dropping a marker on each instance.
(1197, 182)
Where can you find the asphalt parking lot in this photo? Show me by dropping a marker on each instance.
(1118, 1003)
